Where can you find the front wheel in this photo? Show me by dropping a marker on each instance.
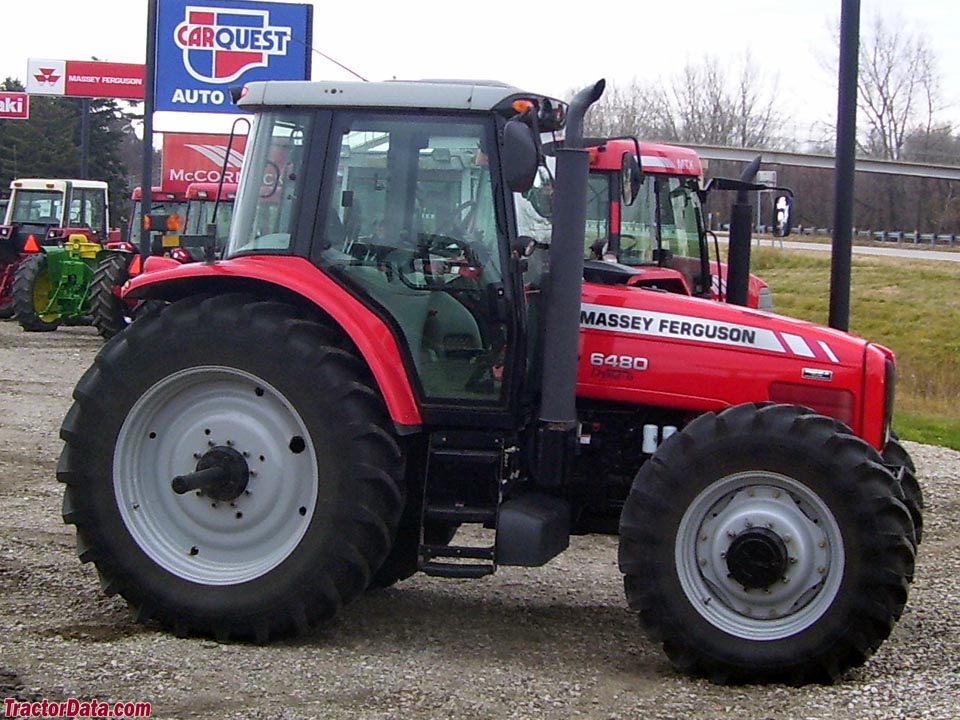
(109, 312)
(895, 455)
(760, 544)
(230, 469)
(33, 292)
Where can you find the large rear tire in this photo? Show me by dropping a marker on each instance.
(109, 312)
(762, 545)
(315, 473)
(32, 288)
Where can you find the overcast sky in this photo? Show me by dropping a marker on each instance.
(544, 47)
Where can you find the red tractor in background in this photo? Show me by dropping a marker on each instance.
(664, 232)
(202, 214)
(381, 357)
(45, 212)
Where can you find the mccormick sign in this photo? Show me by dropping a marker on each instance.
(198, 157)
(85, 78)
(204, 48)
(14, 105)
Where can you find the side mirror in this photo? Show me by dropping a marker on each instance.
(782, 212)
(631, 178)
(519, 155)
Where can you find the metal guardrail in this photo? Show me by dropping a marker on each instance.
(881, 236)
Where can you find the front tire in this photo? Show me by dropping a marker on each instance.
(32, 290)
(895, 455)
(762, 545)
(309, 438)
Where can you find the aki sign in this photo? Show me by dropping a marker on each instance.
(205, 48)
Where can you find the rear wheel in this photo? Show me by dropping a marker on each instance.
(33, 290)
(306, 495)
(759, 544)
(110, 313)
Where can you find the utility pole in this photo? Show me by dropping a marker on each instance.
(842, 250)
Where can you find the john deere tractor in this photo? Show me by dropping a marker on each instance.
(50, 243)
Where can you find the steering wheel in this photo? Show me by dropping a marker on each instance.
(459, 221)
(271, 165)
(440, 259)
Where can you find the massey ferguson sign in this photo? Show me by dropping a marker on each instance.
(195, 157)
(14, 105)
(85, 78)
(205, 48)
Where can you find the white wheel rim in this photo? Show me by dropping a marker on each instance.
(192, 536)
(801, 520)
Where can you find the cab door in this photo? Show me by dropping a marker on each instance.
(411, 222)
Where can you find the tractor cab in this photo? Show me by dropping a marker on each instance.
(413, 221)
(662, 233)
(45, 212)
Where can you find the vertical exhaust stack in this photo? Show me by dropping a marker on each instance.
(562, 322)
(741, 236)
(558, 414)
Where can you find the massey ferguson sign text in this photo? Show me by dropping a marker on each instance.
(199, 157)
(204, 48)
(14, 105)
(85, 78)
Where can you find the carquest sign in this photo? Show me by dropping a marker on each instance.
(204, 48)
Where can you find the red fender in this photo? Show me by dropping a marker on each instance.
(166, 279)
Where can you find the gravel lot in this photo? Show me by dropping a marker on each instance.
(554, 642)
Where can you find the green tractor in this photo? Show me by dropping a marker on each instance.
(53, 235)
(53, 286)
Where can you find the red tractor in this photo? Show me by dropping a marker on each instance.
(664, 231)
(44, 213)
(381, 358)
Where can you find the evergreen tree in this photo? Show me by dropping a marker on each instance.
(48, 144)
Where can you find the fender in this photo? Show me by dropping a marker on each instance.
(166, 279)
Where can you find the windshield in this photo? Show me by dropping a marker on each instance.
(270, 183)
(157, 207)
(200, 216)
(43, 207)
(678, 212)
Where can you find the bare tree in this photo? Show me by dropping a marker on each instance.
(700, 105)
(898, 88)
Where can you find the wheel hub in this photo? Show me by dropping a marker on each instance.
(222, 473)
(757, 558)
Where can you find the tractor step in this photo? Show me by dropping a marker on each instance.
(429, 552)
(460, 514)
(461, 571)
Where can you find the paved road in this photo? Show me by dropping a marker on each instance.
(900, 251)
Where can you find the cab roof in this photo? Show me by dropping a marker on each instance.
(655, 158)
(54, 184)
(479, 95)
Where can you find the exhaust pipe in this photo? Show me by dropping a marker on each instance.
(741, 237)
(556, 435)
(562, 321)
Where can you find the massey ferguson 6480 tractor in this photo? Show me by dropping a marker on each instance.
(379, 358)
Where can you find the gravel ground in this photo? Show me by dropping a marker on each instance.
(553, 642)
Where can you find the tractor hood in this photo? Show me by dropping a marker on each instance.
(650, 347)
